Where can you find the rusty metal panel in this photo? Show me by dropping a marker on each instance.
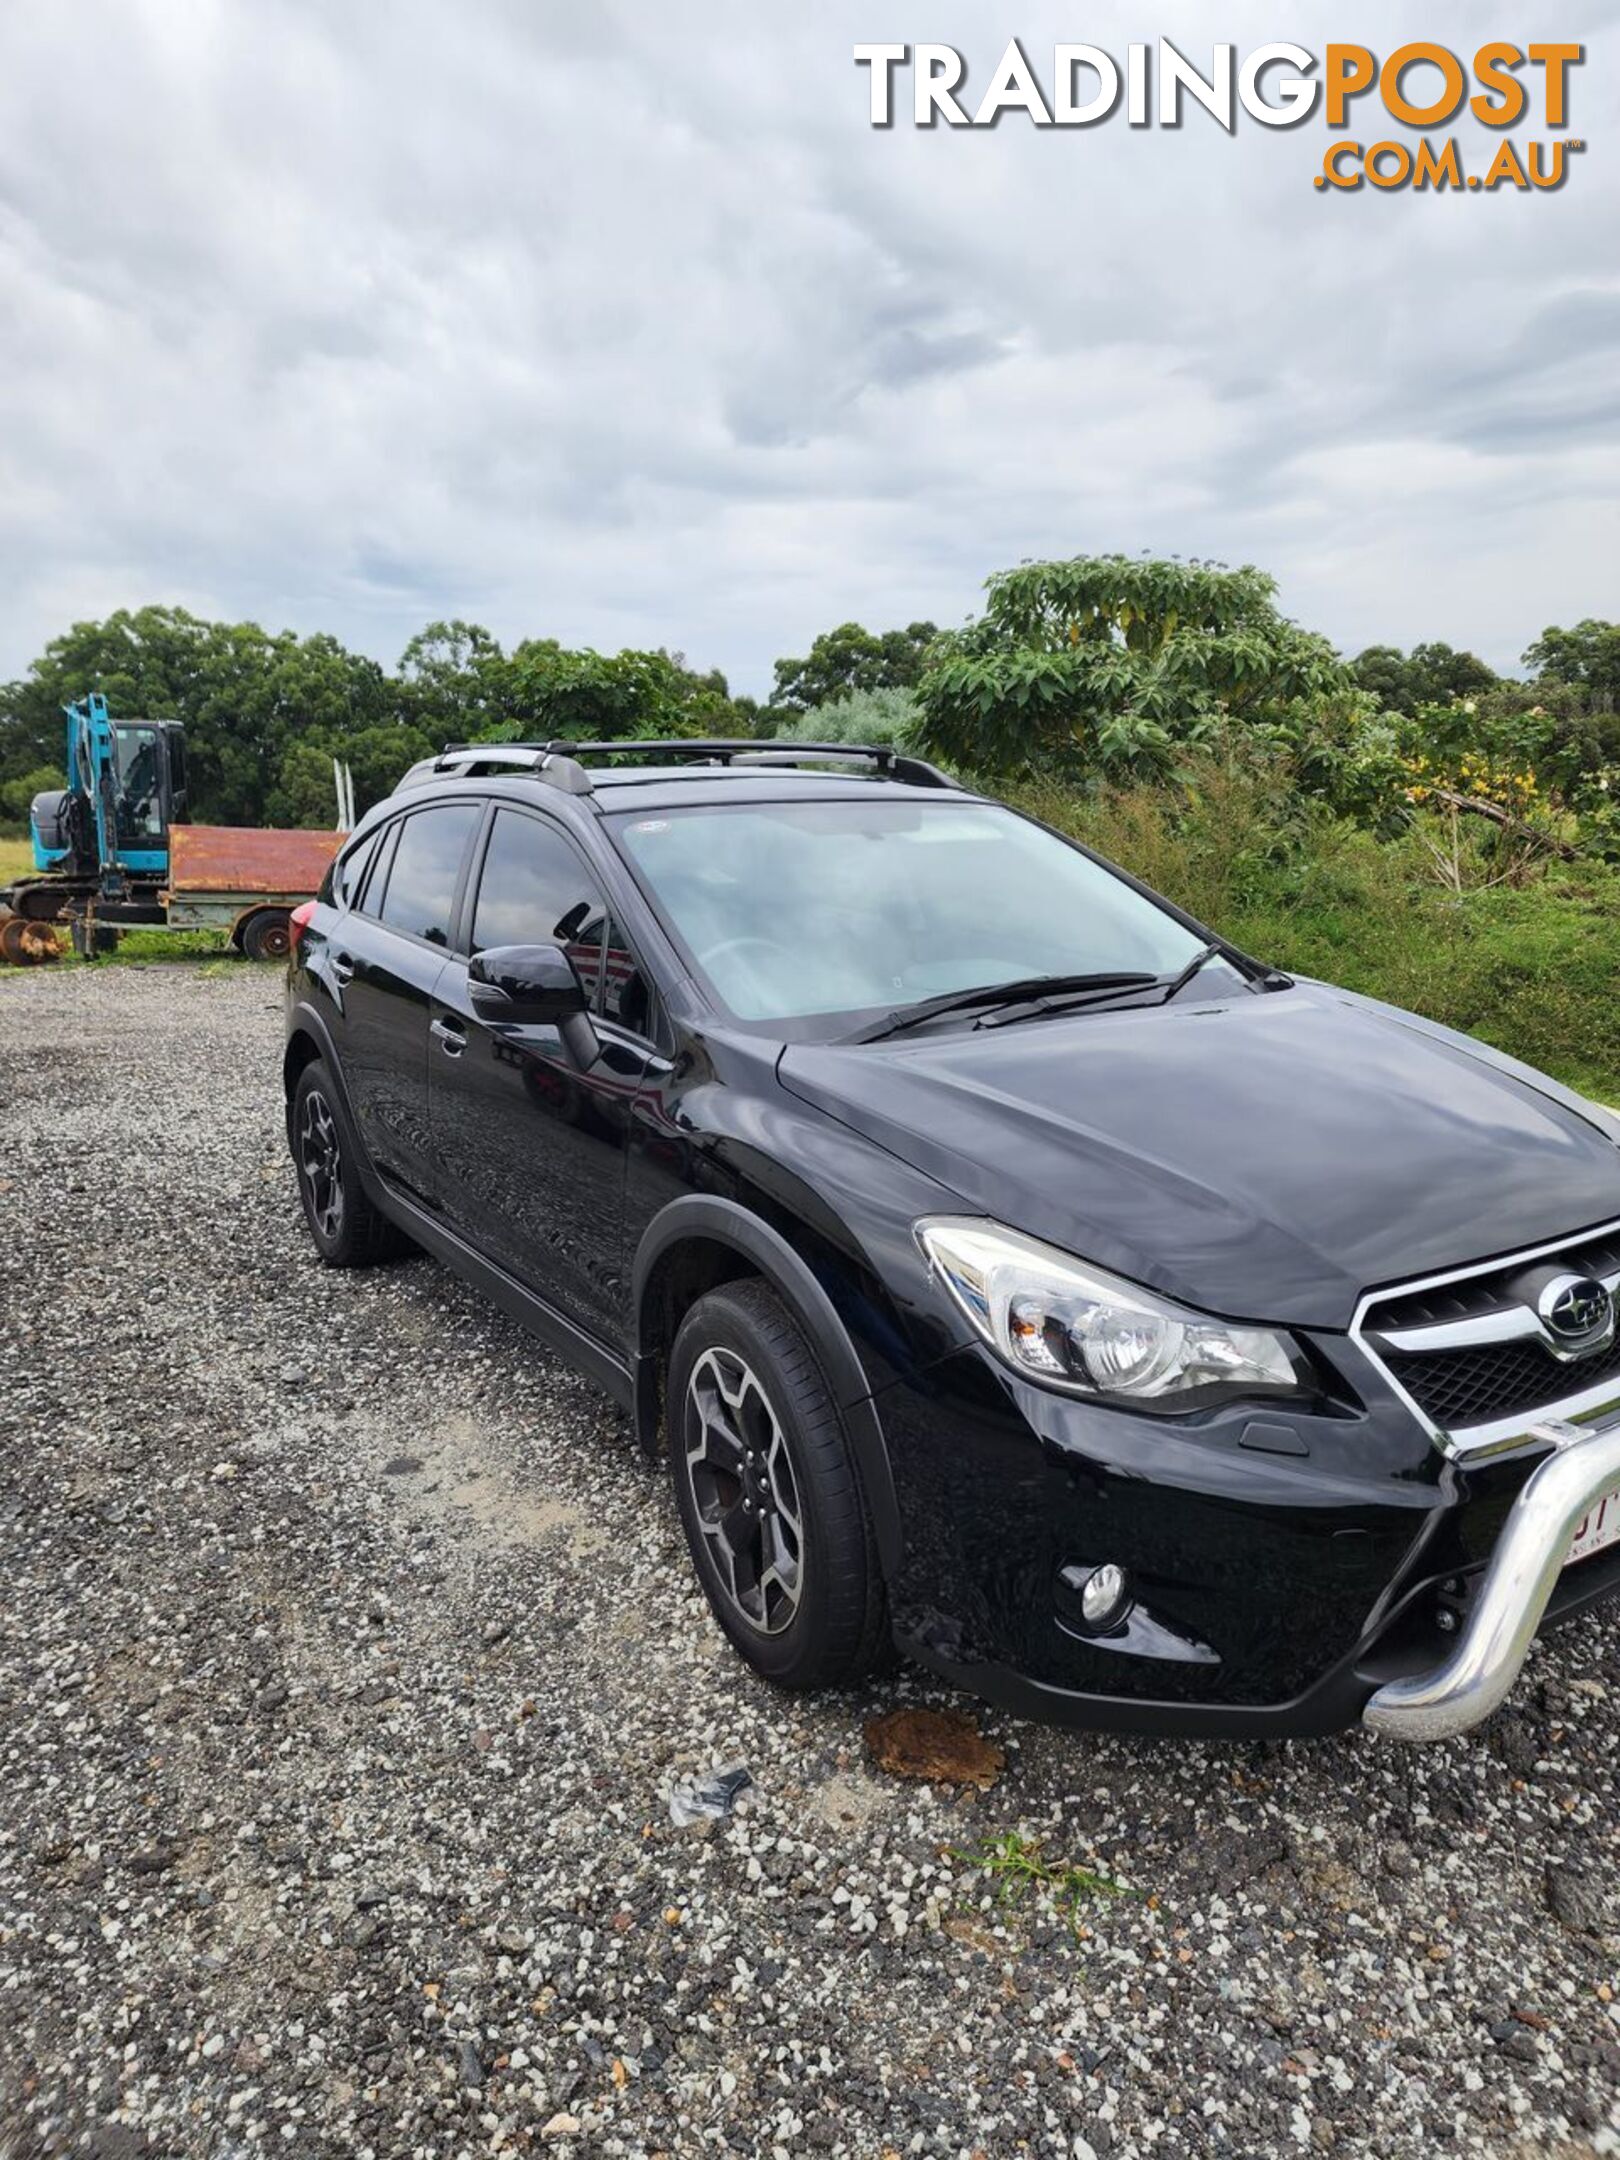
(243, 859)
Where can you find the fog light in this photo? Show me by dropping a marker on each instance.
(1104, 1596)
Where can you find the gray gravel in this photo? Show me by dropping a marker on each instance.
(350, 1651)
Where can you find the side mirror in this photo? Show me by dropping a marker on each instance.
(533, 985)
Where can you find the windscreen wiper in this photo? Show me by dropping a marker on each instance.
(1031, 989)
(1200, 959)
(1167, 987)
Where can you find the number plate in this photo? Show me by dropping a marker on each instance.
(1600, 1526)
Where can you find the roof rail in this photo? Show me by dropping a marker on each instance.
(558, 761)
(474, 760)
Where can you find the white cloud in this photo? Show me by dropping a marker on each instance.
(620, 324)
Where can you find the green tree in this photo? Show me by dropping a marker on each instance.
(454, 679)
(1109, 664)
(244, 694)
(586, 696)
(18, 793)
(851, 658)
(1587, 656)
(305, 788)
(1431, 674)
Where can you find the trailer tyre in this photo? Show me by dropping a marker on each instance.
(348, 1231)
(267, 935)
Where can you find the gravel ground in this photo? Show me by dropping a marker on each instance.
(350, 1650)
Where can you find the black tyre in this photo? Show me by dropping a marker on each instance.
(769, 1495)
(348, 1231)
(267, 935)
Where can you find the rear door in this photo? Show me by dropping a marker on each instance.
(533, 1148)
(387, 954)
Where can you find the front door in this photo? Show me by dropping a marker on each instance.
(532, 1147)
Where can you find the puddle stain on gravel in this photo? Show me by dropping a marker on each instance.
(448, 1476)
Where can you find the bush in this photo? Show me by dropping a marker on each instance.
(1528, 969)
(16, 795)
(865, 716)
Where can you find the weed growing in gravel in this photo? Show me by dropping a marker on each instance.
(1017, 1865)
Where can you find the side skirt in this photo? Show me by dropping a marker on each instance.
(555, 1330)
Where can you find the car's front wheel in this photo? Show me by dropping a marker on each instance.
(769, 1494)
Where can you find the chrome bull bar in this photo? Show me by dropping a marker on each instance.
(1512, 1596)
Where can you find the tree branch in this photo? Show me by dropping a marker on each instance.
(1509, 823)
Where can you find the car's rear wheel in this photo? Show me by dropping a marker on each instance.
(769, 1494)
(348, 1231)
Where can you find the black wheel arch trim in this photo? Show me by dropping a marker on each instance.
(304, 1019)
(727, 1222)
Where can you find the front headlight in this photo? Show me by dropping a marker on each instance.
(1070, 1326)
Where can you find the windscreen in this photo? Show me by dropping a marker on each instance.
(140, 794)
(791, 910)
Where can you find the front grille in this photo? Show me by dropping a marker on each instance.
(1491, 1289)
(1499, 1372)
(1495, 1380)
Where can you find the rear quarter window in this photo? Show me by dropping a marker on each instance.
(348, 873)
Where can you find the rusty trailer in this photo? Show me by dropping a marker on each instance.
(238, 879)
(235, 878)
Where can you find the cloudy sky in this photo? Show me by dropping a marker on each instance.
(614, 320)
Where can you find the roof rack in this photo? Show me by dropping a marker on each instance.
(476, 761)
(558, 761)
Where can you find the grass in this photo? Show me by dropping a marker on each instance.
(16, 859)
(1530, 969)
(1019, 1868)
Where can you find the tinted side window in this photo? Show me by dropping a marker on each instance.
(427, 862)
(349, 872)
(534, 889)
(373, 881)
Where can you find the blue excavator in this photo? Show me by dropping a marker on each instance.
(106, 834)
(116, 850)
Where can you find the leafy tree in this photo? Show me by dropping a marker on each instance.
(711, 707)
(305, 792)
(851, 658)
(1432, 674)
(1587, 656)
(305, 787)
(244, 695)
(586, 696)
(16, 795)
(1445, 674)
(1108, 664)
(591, 696)
(454, 678)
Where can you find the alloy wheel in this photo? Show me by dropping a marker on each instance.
(745, 1496)
(320, 1165)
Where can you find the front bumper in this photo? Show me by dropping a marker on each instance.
(1293, 1566)
(1507, 1608)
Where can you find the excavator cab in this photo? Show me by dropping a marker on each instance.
(127, 786)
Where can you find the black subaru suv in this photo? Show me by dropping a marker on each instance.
(1010, 1268)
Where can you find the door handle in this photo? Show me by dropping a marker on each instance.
(342, 969)
(452, 1037)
